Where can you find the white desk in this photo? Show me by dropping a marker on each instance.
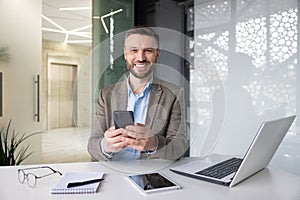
(270, 183)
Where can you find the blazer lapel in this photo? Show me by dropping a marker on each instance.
(119, 99)
(155, 96)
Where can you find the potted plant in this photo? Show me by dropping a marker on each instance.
(11, 153)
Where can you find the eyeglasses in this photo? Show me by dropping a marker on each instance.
(31, 178)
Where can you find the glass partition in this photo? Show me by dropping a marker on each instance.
(110, 20)
(244, 72)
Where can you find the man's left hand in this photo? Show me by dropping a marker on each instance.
(140, 138)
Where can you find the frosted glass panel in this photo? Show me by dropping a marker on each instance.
(244, 73)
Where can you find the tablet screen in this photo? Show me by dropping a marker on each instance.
(153, 181)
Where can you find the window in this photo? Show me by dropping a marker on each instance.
(244, 72)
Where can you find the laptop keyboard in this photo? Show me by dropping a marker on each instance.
(222, 169)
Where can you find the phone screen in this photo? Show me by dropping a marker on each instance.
(123, 118)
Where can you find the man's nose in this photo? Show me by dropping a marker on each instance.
(140, 55)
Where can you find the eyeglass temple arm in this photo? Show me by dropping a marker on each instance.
(53, 170)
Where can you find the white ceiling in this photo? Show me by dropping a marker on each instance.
(69, 26)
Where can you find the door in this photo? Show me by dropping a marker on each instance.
(62, 95)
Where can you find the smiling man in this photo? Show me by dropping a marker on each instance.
(158, 107)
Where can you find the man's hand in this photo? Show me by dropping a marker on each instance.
(140, 138)
(114, 140)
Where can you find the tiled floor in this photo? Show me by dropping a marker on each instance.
(66, 145)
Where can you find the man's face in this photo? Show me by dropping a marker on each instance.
(141, 53)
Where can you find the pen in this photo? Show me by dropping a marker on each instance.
(76, 184)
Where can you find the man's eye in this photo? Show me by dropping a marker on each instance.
(133, 50)
(149, 50)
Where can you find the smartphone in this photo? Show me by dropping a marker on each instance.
(123, 118)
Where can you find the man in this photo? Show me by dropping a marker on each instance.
(158, 106)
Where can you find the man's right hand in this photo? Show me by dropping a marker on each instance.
(114, 140)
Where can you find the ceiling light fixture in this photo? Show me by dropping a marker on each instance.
(75, 8)
(79, 41)
(53, 23)
(107, 15)
(74, 32)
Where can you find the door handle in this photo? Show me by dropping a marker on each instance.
(37, 97)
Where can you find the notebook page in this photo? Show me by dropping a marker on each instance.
(61, 186)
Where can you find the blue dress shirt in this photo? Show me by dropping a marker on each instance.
(139, 105)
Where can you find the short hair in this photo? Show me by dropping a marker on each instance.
(143, 30)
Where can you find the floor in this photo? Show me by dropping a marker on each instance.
(66, 145)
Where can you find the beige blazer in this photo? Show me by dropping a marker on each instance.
(165, 117)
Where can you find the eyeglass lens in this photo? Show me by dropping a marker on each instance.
(31, 178)
(21, 176)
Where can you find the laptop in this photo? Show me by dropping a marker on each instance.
(229, 170)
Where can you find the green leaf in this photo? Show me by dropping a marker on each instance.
(10, 151)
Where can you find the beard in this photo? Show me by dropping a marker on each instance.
(140, 75)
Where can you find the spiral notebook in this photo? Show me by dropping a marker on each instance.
(71, 177)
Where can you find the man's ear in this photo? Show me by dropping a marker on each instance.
(124, 52)
(157, 54)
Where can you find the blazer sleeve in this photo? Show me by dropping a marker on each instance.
(169, 125)
(100, 126)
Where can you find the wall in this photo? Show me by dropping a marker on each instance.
(75, 55)
(21, 33)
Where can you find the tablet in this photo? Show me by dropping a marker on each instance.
(152, 182)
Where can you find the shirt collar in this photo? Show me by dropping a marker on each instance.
(148, 86)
